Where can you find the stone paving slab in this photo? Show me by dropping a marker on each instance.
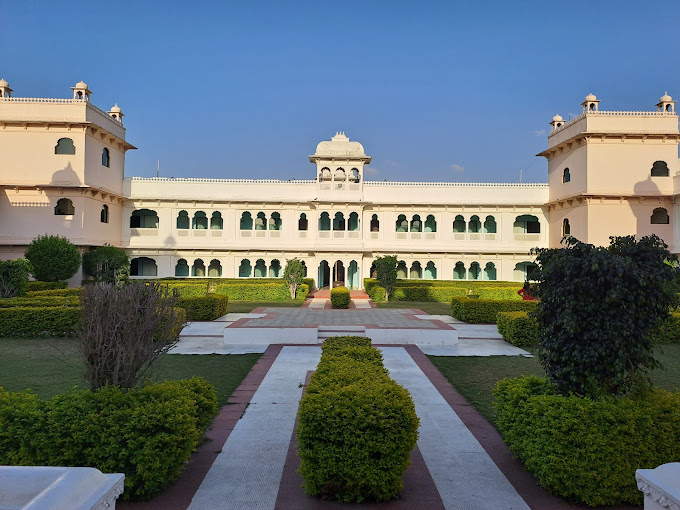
(475, 347)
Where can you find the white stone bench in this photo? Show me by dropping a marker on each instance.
(661, 486)
(58, 488)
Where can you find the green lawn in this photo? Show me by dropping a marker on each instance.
(248, 306)
(475, 377)
(433, 308)
(52, 365)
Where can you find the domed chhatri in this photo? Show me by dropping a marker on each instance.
(339, 147)
(5, 91)
(81, 91)
(666, 97)
(3, 83)
(591, 97)
(590, 103)
(116, 113)
(666, 104)
(557, 118)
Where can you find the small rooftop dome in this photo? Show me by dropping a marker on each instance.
(340, 147)
(80, 85)
(557, 118)
(664, 99)
(115, 109)
(591, 97)
(3, 83)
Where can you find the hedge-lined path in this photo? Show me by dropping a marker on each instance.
(249, 469)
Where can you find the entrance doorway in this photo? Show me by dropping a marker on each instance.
(338, 274)
(324, 275)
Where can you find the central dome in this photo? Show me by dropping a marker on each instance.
(339, 147)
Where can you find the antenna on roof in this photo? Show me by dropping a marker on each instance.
(158, 169)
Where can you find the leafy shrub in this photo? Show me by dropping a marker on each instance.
(14, 277)
(357, 426)
(377, 294)
(35, 286)
(340, 297)
(386, 273)
(74, 291)
(53, 258)
(500, 293)
(105, 262)
(260, 291)
(485, 311)
(39, 321)
(40, 301)
(668, 332)
(187, 289)
(587, 450)
(427, 293)
(598, 308)
(147, 433)
(205, 308)
(518, 328)
(293, 275)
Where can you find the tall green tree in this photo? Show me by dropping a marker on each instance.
(105, 263)
(386, 273)
(53, 258)
(14, 277)
(293, 275)
(597, 308)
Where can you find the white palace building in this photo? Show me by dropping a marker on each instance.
(62, 166)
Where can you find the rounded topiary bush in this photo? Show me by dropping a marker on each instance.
(340, 297)
(54, 258)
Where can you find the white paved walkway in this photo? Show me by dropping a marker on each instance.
(247, 472)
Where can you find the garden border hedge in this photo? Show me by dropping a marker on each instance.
(518, 328)
(204, 308)
(485, 311)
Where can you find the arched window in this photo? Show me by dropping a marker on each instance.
(246, 221)
(430, 271)
(660, 169)
(402, 270)
(215, 269)
(416, 224)
(275, 269)
(325, 174)
(143, 266)
(353, 222)
(260, 269)
(490, 225)
(324, 221)
(64, 207)
(303, 224)
(198, 269)
(459, 271)
(216, 222)
(375, 223)
(339, 221)
(402, 223)
(566, 175)
(490, 271)
(430, 223)
(526, 224)
(354, 175)
(104, 214)
(475, 272)
(261, 221)
(183, 220)
(200, 221)
(144, 218)
(566, 228)
(459, 226)
(275, 221)
(474, 226)
(105, 157)
(65, 146)
(245, 270)
(182, 268)
(339, 174)
(524, 271)
(416, 272)
(660, 216)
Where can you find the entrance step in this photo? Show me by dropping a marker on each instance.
(324, 332)
(317, 303)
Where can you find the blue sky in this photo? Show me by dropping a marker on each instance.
(434, 90)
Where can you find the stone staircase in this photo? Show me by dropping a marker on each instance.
(324, 332)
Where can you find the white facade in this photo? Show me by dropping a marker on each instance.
(336, 222)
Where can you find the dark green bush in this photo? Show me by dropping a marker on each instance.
(77, 291)
(499, 293)
(518, 328)
(187, 289)
(427, 293)
(668, 332)
(484, 311)
(466, 284)
(40, 321)
(357, 426)
(205, 308)
(377, 294)
(41, 301)
(584, 450)
(104, 263)
(340, 297)
(258, 291)
(53, 258)
(14, 277)
(146, 433)
(35, 286)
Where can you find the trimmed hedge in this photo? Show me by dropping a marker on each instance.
(427, 293)
(41, 301)
(187, 289)
(278, 291)
(669, 331)
(40, 321)
(518, 328)
(357, 426)
(445, 290)
(377, 293)
(484, 311)
(76, 291)
(340, 297)
(586, 450)
(505, 293)
(466, 284)
(227, 281)
(34, 286)
(204, 308)
(146, 433)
